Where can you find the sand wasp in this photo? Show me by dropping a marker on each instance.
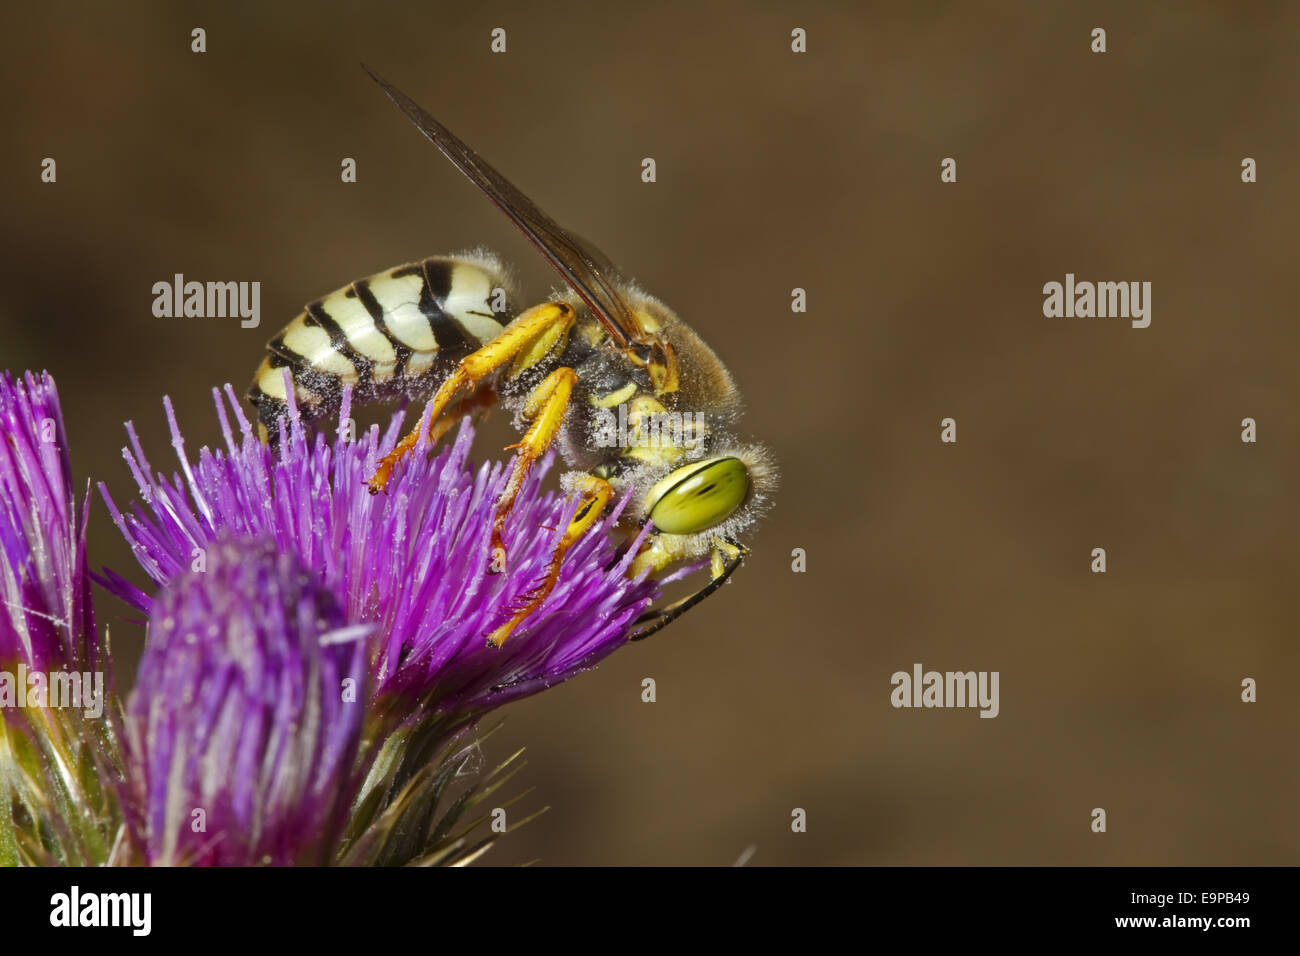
(629, 395)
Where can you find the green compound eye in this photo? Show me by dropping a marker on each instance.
(699, 496)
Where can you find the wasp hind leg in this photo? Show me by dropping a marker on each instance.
(523, 343)
(727, 556)
(481, 400)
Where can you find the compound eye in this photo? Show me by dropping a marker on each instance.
(701, 496)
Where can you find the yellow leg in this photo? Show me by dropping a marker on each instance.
(545, 410)
(524, 342)
(596, 495)
(484, 398)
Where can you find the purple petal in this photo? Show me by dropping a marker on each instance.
(411, 562)
(46, 614)
(239, 721)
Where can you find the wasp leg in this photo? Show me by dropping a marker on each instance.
(482, 399)
(545, 410)
(727, 556)
(524, 343)
(596, 495)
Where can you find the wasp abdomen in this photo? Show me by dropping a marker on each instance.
(396, 332)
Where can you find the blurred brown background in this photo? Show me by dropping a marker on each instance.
(778, 170)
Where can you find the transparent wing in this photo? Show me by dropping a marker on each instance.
(586, 269)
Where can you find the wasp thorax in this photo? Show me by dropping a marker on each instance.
(699, 496)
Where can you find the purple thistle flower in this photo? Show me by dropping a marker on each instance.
(239, 711)
(59, 757)
(47, 619)
(412, 562)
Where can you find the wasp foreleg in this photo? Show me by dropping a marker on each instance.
(596, 495)
(727, 556)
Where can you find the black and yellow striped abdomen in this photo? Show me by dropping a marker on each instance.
(396, 332)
